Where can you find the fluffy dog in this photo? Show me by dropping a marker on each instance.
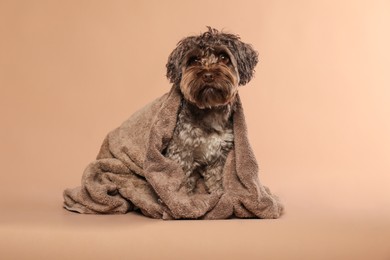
(208, 69)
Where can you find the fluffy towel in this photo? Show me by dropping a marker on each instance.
(131, 173)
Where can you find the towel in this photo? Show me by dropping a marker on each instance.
(131, 173)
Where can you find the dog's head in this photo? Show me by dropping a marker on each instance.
(210, 67)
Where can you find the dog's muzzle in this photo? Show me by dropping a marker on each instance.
(211, 86)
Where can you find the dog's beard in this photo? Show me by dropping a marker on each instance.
(220, 91)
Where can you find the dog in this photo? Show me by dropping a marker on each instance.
(208, 69)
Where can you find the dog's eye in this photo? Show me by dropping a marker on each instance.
(193, 61)
(224, 58)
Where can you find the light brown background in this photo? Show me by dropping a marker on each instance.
(318, 113)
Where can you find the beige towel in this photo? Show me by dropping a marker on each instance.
(131, 173)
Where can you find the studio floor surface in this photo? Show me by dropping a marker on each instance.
(38, 228)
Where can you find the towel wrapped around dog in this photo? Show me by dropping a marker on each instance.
(132, 173)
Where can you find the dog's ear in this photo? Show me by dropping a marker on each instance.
(246, 58)
(173, 71)
(175, 59)
(244, 54)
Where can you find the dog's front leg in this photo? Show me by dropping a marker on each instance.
(213, 177)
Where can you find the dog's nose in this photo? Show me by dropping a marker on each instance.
(208, 77)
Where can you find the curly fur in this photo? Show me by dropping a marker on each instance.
(243, 53)
(200, 145)
(209, 83)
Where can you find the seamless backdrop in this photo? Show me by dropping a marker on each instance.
(318, 114)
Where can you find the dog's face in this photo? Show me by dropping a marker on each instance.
(210, 67)
(209, 77)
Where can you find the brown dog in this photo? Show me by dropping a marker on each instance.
(208, 69)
